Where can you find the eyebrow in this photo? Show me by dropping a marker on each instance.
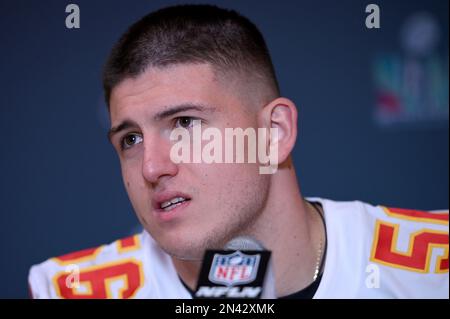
(169, 111)
(122, 126)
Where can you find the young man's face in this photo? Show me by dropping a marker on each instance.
(222, 200)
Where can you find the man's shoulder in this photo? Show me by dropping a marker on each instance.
(400, 233)
(90, 272)
(405, 250)
(102, 253)
(363, 212)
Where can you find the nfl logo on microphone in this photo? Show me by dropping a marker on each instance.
(233, 269)
(232, 274)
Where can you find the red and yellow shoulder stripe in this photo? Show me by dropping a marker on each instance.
(422, 242)
(87, 276)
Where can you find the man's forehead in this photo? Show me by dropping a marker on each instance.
(165, 86)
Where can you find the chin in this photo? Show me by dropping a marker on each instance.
(183, 249)
(187, 244)
(186, 254)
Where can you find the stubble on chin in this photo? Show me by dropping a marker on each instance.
(235, 219)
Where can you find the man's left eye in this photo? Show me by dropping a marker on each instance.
(185, 121)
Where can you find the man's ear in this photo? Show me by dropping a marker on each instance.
(281, 113)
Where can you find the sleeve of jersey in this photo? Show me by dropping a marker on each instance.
(414, 246)
(109, 271)
(38, 285)
(412, 240)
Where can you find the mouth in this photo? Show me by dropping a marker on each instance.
(169, 202)
(168, 205)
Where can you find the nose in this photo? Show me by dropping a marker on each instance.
(156, 163)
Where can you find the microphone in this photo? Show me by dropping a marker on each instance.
(241, 270)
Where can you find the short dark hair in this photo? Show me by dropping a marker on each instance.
(190, 34)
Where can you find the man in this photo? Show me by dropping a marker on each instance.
(187, 67)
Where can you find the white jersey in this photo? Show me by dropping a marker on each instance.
(372, 252)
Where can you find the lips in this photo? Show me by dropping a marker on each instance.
(171, 204)
(168, 201)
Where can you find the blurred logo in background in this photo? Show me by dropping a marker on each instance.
(412, 85)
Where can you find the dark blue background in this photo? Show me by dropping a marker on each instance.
(61, 188)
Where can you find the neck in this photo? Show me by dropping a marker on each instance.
(289, 227)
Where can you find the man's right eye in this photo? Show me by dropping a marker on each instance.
(130, 140)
